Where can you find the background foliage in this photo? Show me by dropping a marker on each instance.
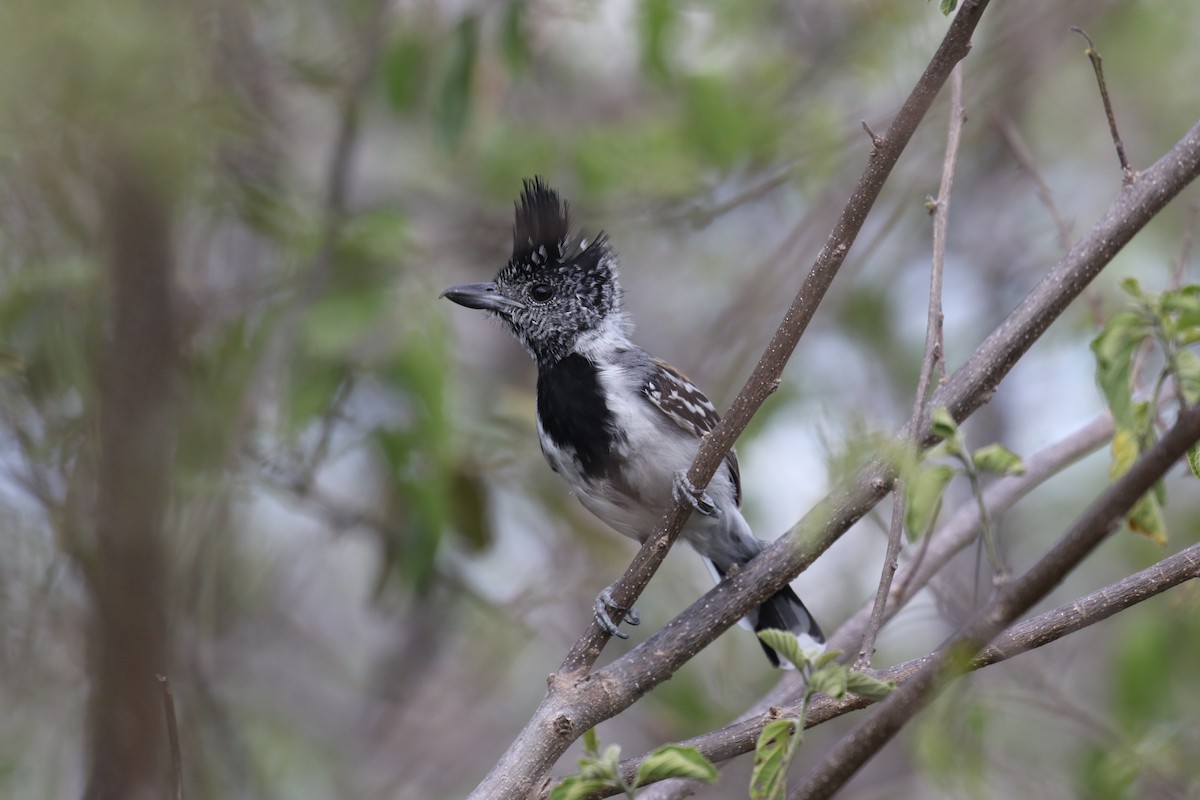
(365, 566)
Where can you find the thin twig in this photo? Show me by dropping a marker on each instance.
(1094, 56)
(168, 701)
(932, 356)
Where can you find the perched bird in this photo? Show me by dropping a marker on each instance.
(621, 426)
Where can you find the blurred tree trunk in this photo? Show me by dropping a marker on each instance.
(127, 642)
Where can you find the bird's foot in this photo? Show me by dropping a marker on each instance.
(605, 603)
(685, 492)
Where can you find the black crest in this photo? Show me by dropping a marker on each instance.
(542, 222)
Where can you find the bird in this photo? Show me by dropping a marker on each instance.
(618, 424)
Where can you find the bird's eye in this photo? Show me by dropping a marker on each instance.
(541, 292)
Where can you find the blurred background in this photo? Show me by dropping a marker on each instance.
(244, 445)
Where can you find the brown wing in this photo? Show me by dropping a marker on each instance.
(670, 391)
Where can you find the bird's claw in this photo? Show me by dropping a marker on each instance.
(604, 602)
(685, 492)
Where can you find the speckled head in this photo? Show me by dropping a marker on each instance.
(557, 290)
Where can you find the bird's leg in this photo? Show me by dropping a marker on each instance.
(685, 492)
(604, 602)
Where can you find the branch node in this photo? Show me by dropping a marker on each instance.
(877, 141)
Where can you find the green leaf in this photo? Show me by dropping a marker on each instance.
(998, 459)
(1132, 288)
(676, 761)
(924, 495)
(657, 23)
(595, 769)
(864, 685)
(1187, 375)
(1183, 306)
(612, 758)
(948, 6)
(724, 123)
(454, 92)
(1114, 348)
(404, 72)
(577, 788)
(824, 658)
(942, 424)
(1146, 519)
(513, 41)
(1193, 459)
(830, 679)
(786, 644)
(591, 743)
(340, 320)
(772, 756)
(1124, 448)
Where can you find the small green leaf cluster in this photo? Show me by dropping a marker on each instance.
(1168, 323)
(600, 771)
(777, 744)
(925, 479)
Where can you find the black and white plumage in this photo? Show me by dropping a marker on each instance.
(619, 425)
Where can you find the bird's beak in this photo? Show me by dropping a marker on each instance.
(481, 295)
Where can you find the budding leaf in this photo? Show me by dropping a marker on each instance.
(830, 679)
(1124, 448)
(998, 459)
(942, 424)
(864, 685)
(924, 494)
(1132, 288)
(577, 787)
(1146, 519)
(676, 761)
(786, 644)
(1114, 348)
(772, 757)
(1187, 375)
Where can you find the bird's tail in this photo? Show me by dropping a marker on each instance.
(783, 611)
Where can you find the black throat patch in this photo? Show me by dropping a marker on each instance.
(571, 407)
